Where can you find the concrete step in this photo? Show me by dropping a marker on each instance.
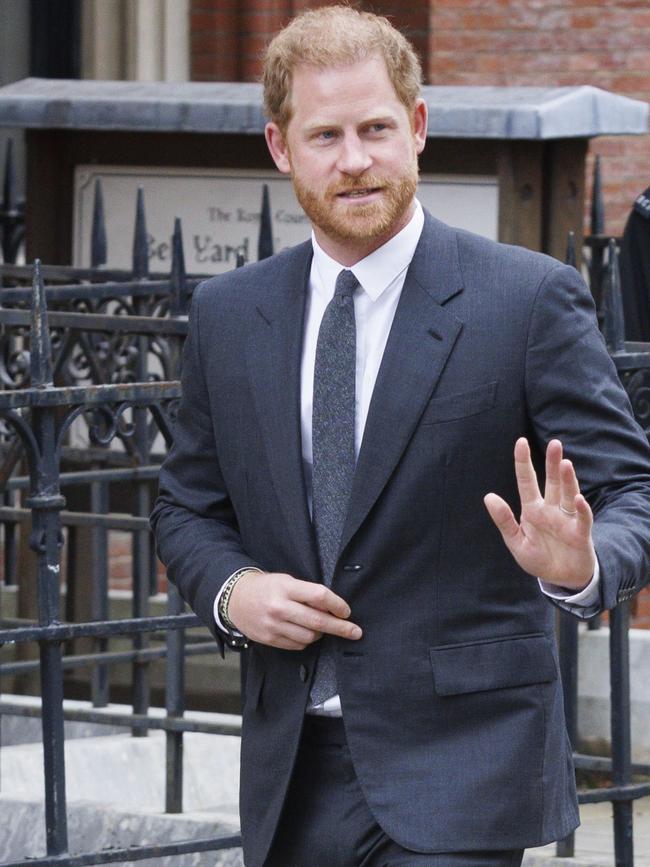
(115, 787)
(92, 828)
(129, 773)
(594, 842)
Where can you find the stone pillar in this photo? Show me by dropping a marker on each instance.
(139, 40)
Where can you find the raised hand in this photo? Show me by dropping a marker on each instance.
(277, 609)
(552, 539)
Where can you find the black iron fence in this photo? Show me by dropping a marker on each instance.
(633, 363)
(623, 781)
(98, 348)
(106, 355)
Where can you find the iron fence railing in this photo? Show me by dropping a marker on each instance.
(111, 341)
(632, 360)
(41, 415)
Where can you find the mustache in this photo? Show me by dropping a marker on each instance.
(361, 183)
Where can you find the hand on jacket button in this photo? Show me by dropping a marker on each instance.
(277, 609)
(552, 539)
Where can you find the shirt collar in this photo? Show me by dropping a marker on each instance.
(382, 267)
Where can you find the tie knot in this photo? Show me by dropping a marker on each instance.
(346, 283)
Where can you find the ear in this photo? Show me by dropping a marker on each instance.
(419, 119)
(278, 147)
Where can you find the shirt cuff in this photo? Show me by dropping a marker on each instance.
(584, 599)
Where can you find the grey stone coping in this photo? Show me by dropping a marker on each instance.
(200, 107)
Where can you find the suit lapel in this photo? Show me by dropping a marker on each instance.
(274, 355)
(421, 338)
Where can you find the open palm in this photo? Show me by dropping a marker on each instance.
(552, 539)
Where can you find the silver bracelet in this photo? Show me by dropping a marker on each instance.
(225, 596)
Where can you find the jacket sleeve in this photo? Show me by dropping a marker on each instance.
(194, 524)
(574, 394)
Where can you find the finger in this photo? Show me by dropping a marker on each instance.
(302, 622)
(300, 634)
(501, 514)
(553, 484)
(318, 621)
(284, 626)
(525, 472)
(569, 487)
(585, 515)
(321, 597)
(342, 629)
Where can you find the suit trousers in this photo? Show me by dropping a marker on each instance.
(326, 821)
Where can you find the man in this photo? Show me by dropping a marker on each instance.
(347, 407)
(635, 269)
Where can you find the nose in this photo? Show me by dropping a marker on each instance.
(353, 159)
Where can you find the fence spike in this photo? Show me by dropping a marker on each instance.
(597, 203)
(40, 350)
(613, 316)
(265, 242)
(9, 185)
(98, 248)
(571, 258)
(140, 243)
(179, 301)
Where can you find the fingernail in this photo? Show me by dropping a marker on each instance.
(355, 632)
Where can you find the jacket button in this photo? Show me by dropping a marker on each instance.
(352, 567)
(304, 674)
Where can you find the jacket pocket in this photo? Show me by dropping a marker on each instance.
(501, 663)
(461, 405)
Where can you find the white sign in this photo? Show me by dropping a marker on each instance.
(220, 212)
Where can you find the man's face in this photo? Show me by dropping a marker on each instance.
(351, 148)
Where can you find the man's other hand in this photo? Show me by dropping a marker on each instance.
(276, 609)
(552, 540)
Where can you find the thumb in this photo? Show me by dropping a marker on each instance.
(501, 514)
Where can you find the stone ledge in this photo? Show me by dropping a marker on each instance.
(90, 829)
(593, 690)
(534, 113)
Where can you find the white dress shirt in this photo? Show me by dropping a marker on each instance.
(381, 277)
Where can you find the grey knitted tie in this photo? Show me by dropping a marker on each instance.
(333, 447)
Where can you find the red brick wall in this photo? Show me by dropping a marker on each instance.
(605, 43)
(641, 610)
(228, 37)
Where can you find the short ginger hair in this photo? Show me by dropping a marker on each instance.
(335, 36)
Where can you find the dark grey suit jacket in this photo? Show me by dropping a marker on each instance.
(451, 701)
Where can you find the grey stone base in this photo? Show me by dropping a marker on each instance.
(92, 828)
(593, 691)
(116, 790)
